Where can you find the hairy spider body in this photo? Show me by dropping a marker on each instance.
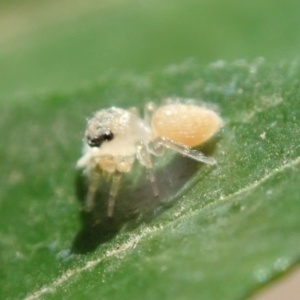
(115, 137)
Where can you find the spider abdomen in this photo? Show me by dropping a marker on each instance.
(189, 125)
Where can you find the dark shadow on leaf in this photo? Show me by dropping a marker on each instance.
(135, 203)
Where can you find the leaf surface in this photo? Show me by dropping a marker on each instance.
(215, 232)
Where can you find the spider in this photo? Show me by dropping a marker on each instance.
(115, 137)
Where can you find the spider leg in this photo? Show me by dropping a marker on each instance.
(144, 158)
(116, 178)
(149, 109)
(94, 179)
(183, 150)
(134, 111)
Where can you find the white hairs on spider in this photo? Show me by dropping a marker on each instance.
(115, 137)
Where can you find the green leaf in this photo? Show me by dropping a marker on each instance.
(215, 232)
(58, 44)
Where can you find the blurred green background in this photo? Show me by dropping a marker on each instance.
(50, 45)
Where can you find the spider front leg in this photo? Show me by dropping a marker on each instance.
(160, 142)
(94, 179)
(144, 158)
(115, 183)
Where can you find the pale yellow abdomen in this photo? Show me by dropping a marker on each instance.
(190, 125)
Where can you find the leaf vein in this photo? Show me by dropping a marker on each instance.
(134, 239)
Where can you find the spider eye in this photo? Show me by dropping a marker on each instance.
(95, 141)
(108, 136)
